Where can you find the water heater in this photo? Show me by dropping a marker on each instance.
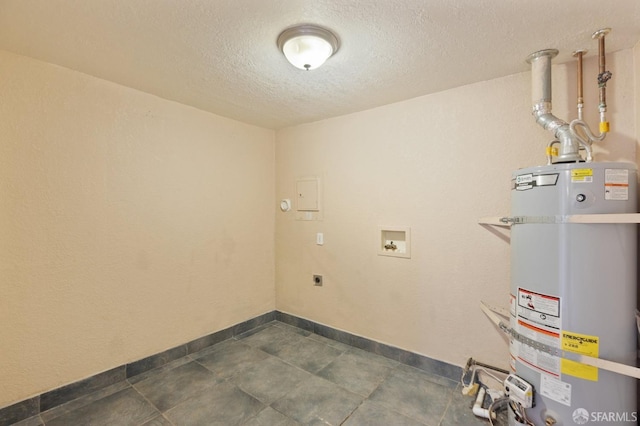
(573, 289)
(572, 318)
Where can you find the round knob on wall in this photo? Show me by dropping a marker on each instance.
(285, 205)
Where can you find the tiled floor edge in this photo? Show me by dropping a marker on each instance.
(434, 366)
(33, 406)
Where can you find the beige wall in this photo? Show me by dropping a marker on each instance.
(129, 224)
(436, 164)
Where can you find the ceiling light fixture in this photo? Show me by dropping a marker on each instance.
(307, 46)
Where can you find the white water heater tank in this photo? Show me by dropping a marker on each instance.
(573, 287)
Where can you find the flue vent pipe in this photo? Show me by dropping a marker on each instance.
(569, 146)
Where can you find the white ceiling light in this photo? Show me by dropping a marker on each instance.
(307, 46)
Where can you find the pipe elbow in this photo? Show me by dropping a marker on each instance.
(549, 122)
(477, 407)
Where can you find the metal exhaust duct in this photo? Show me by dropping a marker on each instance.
(569, 146)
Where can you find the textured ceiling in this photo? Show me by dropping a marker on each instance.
(221, 55)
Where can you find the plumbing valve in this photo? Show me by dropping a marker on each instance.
(603, 77)
(390, 246)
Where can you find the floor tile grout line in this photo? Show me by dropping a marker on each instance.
(278, 411)
(148, 419)
(353, 411)
(342, 352)
(444, 414)
(258, 413)
(311, 374)
(152, 404)
(408, 415)
(230, 378)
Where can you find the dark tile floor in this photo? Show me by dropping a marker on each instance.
(273, 375)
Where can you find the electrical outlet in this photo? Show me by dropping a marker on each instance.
(317, 280)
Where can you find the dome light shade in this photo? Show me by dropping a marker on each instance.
(307, 46)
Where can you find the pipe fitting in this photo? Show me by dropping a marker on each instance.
(477, 407)
(549, 121)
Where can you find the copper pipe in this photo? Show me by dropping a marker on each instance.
(579, 54)
(601, 59)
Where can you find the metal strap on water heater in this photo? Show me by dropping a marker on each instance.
(491, 313)
(561, 219)
(615, 367)
(576, 218)
(519, 220)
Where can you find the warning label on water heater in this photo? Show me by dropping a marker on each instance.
(616, 184)
(542, 310)
(582, 175)
(538, 318)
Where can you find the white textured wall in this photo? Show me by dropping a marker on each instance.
(128, 225)
(435, 163)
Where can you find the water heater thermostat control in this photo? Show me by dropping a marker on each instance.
(519, 390)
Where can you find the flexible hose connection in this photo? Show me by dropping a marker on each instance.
(586, 143)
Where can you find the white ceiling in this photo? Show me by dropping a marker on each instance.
(221, 55)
